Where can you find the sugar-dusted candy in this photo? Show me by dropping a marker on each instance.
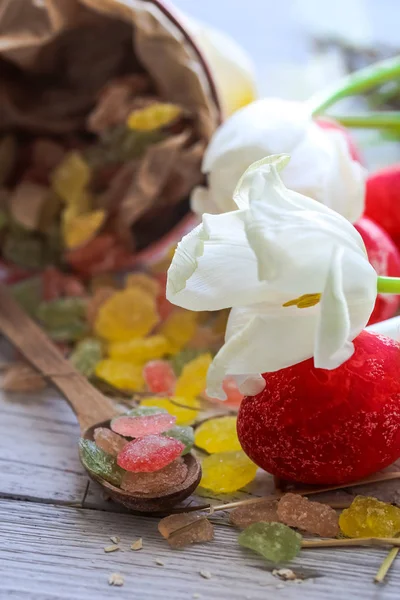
(184, 409)
(61, 312)
(144, 281)
(274, 541)
(122, 375)
(179, 328)
(368, 517)
(149, 454)
(20, 377)
(128, 314)
(83, 257)
(141, 426)
(180, 359)
(28, 294)
(192, 380)
(246, 515)
(218, 435)
(99, 462)
(184, 434)
(71, 332)
(71, 177)
(183, 529)
(313, 517)
(26, 251)
(156, 482)
(159, 377)
(155, 116)
(79, 229)
(86, 355)
(141, 411)
(140, 350)
(99, 297)
(107, 440)
(227, 472)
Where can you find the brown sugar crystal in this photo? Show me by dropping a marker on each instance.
(184, 529)
(313, 517)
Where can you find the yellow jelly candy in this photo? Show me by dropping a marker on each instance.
(227, 472)
(152, 117)
(218, 435)
(82, 228)
(140, 350)
(184, 409)
(144, 281)
(128, 314)
(71, 177)
(179, 328)
(368, 517)
(192, 380)
(120, 374)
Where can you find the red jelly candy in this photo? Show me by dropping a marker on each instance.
(137, 427)
(149, 454)
(159, 377)
(327, 427)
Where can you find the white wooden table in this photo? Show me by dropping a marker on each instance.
(52, 547)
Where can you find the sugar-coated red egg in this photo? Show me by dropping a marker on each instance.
(382, 201)
(385, 258)
(327, 427)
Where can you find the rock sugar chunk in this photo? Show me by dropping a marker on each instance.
(218, 435)
(313, 517)
(140, 426)
(108, 441)
(227, 472)
(246, 515)
(275, 541)
(186, 528)
(99, 462)
(368, 517)
(157, 482)
(149, 454)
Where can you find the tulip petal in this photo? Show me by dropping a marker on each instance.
(214, 266)
(389, 328)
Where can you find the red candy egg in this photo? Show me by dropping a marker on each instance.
(382, 201)
(316, 426)
(385, 258)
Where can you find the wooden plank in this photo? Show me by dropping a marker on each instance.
(57, 552)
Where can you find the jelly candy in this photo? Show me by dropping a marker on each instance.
(184, 529)
(159, 377)
(227, 472)
(275, 541)
(122, 375)
(96, 301)
(156, 482)
(81, 228)
(246, 515)
(108, 441)
(142, 411)
(312, 517)
(128, 314)
(72, 332)
(192, 380)
(28, 294)
(368, 517)
(179, 360)
(86, 355)
(71, 177)
(20, 377)
(26, 252)
(140, 350)
(137, 427)
(218, 435)
(184, 435)
(152, 117)
(149, 454)
(60, 312)
(99, 462)
(179, 328)
(144, 281)
(83, 257)
(184, 409)
(233, 395)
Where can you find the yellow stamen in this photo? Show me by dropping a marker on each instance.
(304, 301)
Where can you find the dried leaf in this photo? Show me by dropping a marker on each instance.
(20, 377)
(26, 204)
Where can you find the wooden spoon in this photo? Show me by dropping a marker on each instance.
(91, 408)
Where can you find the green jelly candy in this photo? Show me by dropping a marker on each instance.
(28, 294)
(74, 331)
(99, 462)
(275, 541)
(62, 312)
(25, 251)
(184, 435)
(86, 356)
(179, 360)
(144, 411)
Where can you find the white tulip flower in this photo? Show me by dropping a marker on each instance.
(321, 166)
(295, 273)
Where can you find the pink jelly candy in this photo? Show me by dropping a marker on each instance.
(159, 376)
(149, 454)
(137, 427)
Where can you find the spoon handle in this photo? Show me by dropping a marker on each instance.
(89, 405)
